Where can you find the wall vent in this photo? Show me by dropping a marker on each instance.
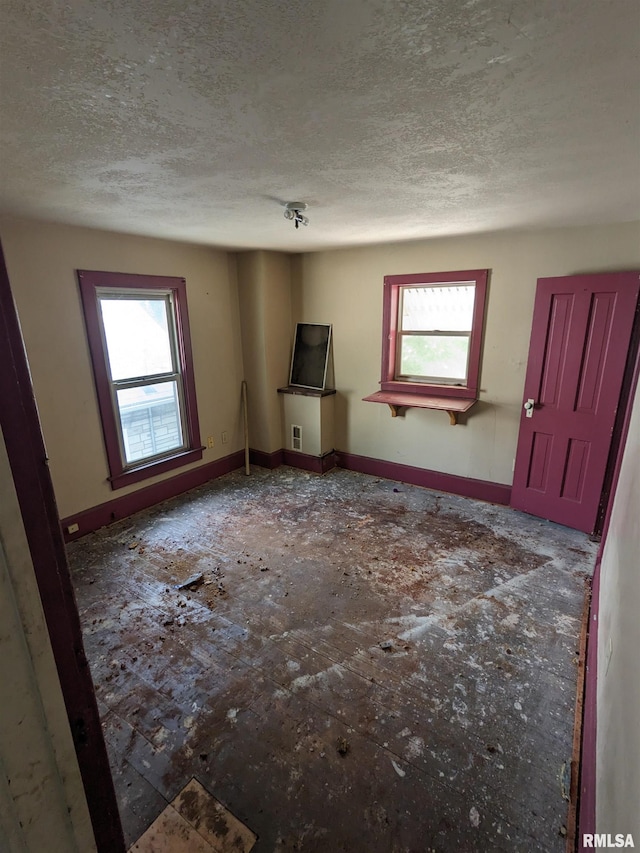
(296, 437)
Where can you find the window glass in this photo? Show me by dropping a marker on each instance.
(444, 307)
(429, 349)
(150, 420)
(137, 335)
(440, 357)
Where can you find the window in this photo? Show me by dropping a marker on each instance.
(432, 332)
(140, 347)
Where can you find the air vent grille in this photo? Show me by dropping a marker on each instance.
(296, 437)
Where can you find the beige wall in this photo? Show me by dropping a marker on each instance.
(42, 260)
(345, 288)
(242, 309)
(42, 801)
(618, 699)
(264, 285)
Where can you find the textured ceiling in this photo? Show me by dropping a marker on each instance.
(392, 119)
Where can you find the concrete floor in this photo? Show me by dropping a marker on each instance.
(367, 666)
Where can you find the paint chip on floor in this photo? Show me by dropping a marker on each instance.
(398, 769)
(195, 822)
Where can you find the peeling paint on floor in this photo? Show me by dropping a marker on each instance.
(435, 635)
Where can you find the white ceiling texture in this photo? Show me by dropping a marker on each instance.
(392, 119)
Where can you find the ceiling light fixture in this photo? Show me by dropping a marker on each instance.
(293, 210)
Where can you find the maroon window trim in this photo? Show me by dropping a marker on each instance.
(89, 281)
(392, 287)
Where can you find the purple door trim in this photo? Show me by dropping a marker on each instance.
(587, 788)
(27, 457)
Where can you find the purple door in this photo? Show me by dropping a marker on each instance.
(579, 342)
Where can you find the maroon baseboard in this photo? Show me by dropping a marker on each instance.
(482, 490)
(121, 507)
(315, 464)
(266, 460)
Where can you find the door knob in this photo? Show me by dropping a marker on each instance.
(528, 407)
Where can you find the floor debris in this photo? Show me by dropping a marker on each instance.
(398, 769)
(343, 746)
(262, 677)
(191, 583)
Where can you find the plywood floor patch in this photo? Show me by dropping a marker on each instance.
(195, 822)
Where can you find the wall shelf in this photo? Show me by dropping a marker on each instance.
(397, 400)
(306, 392)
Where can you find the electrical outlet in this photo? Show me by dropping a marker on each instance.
(72, 528)
(210, 441)
(225, 437)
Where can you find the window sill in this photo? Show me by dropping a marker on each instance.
(145, 471)
(423, 389)
(397, 400)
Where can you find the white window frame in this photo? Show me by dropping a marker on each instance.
(151, 379)
(93, 285)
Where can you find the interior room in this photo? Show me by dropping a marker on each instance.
(386, 604)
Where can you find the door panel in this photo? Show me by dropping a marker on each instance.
(555, 357)
(575, 472)
(579, 342)
(540, 456)
(598, 336)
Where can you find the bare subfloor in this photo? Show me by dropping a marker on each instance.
(366, 667)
